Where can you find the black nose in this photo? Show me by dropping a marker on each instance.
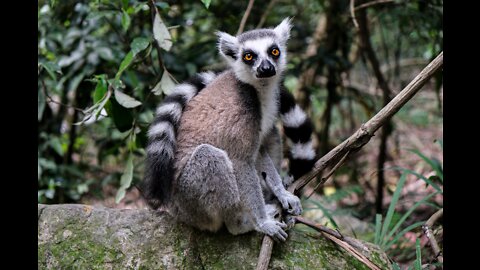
(265, 70)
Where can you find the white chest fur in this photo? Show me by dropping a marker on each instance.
(269, 108)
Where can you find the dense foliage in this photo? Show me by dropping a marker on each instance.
(104, 65)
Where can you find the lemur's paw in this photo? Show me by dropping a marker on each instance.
(291, 203)
(274, 229)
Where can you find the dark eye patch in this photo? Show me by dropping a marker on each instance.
(252, 54)
(271, 51)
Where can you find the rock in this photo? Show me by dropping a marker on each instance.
(72, 236)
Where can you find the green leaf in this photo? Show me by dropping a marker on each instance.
(126, 179)
(101, 92)
(400, 234)
(125, 63)
(41, 104)
(434, 164)
(100, 88)
(325, 211)
(166, 83)
(51, 69)
(418, 251)
(160, 33)
(157, 90)
(139, 7)
(126, 100)
(125, 20)
(408, 213)
(120, 194)
(162, 5)
(206, 3)
(391, 208)
(122, 117)
(378, 226)
(395, 266)
(428, 181)
(56, 145)
(125, 4)
(139, 44)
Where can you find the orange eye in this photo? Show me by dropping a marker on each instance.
(275, 52)
(248, 57)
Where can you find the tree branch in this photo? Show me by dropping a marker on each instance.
(349, 244)
(265, 13)
(367, 130)
(245, 17)
(427, 230)
(352, 12)
(371, 3)
(265, 253)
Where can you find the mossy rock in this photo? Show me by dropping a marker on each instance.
(84, 237)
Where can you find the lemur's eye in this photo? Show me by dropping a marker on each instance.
(248, 57)
(275, 52)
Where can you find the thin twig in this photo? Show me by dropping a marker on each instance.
(427, 230)
(351, 241)
(266, 249)
(367, 130)
(371, 3)
(245, 17)
(51, 100)
(349, 244)
(324, 179)
(352, 12)
(265, 14)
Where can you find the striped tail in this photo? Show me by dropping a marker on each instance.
(298, 128)
(156, 185)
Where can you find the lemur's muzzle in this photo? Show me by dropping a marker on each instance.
(265, 70)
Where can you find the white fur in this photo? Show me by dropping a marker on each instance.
(162, 128)
(269, 107)
(294, 118)
(207, 77)
(174, 109)
(303, 150)
(161, 146)
(226, 41)
(283, 30)
(186, 90)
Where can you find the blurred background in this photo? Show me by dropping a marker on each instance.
(103, 66)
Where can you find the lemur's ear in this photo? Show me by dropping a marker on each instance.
(283, 29)
(227, 46)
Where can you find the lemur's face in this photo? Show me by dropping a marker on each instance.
(257, 56)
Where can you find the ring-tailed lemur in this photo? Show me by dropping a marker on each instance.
(213, 156)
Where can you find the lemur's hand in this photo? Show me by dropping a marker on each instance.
(291, 203)
(274, 229)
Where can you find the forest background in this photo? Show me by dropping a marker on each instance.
(104, 66)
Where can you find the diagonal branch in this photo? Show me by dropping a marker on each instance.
(367, 130)
(245, 17)
(349, 244)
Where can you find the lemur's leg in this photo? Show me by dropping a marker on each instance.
(273, 146)
(253, 214)
(269, 173)
(206, 190)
